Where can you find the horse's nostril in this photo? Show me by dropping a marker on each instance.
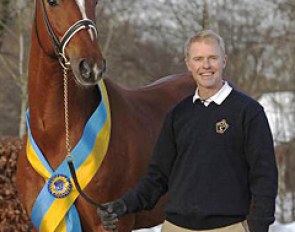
(85, 69)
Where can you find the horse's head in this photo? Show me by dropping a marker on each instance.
(66, 29)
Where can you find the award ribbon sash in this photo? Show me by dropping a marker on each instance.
(54, 209)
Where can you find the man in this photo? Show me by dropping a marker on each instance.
(214, 156)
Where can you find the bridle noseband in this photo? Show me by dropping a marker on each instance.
(60, 45)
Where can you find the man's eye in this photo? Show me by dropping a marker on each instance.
(198, 59)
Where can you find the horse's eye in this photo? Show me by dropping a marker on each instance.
(53, 2)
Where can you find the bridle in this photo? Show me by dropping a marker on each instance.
(60, 45)
(59, 49)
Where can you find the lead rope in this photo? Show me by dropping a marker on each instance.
(69, 156)
(66, 108)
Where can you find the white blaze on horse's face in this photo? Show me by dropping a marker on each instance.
(82, 6)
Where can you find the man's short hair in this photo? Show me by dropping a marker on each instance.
(201, 36)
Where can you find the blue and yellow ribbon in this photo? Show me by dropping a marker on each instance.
(52, 213)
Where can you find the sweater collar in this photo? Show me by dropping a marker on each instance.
(218, 98)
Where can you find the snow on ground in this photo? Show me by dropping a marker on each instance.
(276, 227)
(154, 229)
(280, 110)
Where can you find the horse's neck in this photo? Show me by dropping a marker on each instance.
(46, 104)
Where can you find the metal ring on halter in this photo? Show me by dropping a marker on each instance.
(70, 158)
(63, 61)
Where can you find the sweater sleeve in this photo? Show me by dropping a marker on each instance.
(155, 184)
(263, 174)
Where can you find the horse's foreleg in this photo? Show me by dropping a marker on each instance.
(28, 182)
(126, 223)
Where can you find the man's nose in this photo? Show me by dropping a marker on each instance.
(206, 63)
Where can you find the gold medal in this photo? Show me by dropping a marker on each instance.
(59, 186)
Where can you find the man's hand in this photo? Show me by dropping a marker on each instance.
(111, 213)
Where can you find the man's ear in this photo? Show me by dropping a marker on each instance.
(224, 61)
(187, 64)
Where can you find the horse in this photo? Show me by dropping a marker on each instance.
(65, 55)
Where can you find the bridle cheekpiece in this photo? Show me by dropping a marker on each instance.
(60, 45)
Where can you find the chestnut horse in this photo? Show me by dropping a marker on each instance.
(64, 40)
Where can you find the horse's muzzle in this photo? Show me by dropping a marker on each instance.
(87, 73)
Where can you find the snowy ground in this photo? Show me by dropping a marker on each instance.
(283, 228)
(276, 227)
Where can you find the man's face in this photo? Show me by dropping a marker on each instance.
(206, 61)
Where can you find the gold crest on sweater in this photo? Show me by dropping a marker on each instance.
(221, 126)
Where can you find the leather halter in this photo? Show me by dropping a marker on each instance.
(60, 45)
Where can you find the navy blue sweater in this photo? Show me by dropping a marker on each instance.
(213, 179)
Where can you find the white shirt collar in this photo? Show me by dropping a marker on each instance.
(218, 98)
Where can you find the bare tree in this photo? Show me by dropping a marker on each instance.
(205, 20)
(15, 53)
(252, 35)
(5, 17)
(286, 195)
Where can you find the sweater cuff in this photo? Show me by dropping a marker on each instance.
(257, 226)
(261, 213)
(131, 202)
